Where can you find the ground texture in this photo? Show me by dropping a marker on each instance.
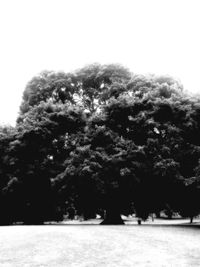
(96, 246)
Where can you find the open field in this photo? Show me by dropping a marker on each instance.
(133, 221)
(93, 245)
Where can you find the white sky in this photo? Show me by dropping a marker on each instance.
(157, 36)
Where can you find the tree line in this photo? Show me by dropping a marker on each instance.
(101, 140)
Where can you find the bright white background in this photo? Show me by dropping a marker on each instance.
(157, 36)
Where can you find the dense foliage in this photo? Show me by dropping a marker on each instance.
(101, 140)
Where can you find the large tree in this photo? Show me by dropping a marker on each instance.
(97, 139)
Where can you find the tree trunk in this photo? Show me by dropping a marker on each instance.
(157, 214)
(191, 219)
(112, 217)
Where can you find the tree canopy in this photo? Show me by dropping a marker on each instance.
(101, 140)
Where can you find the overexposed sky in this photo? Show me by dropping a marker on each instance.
(157, 36)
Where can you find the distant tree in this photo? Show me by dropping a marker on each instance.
(190, 199)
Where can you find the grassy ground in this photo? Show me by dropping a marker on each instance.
(133, 221)
(93, 245)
